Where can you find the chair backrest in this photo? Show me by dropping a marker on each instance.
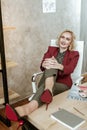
(77, 72)
(79, 46)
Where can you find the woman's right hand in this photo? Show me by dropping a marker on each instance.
(46, 63)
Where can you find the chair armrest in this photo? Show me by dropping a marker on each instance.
(34, 86)
(35, 75)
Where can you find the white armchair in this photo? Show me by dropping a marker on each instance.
(76, 75)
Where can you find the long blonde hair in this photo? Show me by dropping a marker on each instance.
(71, 47)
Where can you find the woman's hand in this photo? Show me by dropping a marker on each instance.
(49, 63)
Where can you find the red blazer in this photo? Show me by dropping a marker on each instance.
(70, 61)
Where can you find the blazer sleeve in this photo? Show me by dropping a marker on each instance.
(72, 62)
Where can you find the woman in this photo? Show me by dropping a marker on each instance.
(57, 64)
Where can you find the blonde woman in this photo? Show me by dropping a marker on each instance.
(58, 63)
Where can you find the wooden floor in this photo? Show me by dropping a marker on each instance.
(14, 125)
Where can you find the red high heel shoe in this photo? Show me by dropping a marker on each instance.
(46, 97)
(12, 115)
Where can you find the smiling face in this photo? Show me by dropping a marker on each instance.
(65, 40)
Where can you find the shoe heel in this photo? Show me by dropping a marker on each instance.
(46, 106)
(21, 122)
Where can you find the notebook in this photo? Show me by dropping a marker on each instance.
(67, 118)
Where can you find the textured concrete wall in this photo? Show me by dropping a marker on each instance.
(33, 31)
(83, 31)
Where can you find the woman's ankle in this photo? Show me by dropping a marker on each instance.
(20, 111)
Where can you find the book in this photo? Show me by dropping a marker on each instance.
(78, 92)
(67, 118)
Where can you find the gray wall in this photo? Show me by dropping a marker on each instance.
(34, 29)
(83, 31)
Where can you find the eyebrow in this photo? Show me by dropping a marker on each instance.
(65, 37)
